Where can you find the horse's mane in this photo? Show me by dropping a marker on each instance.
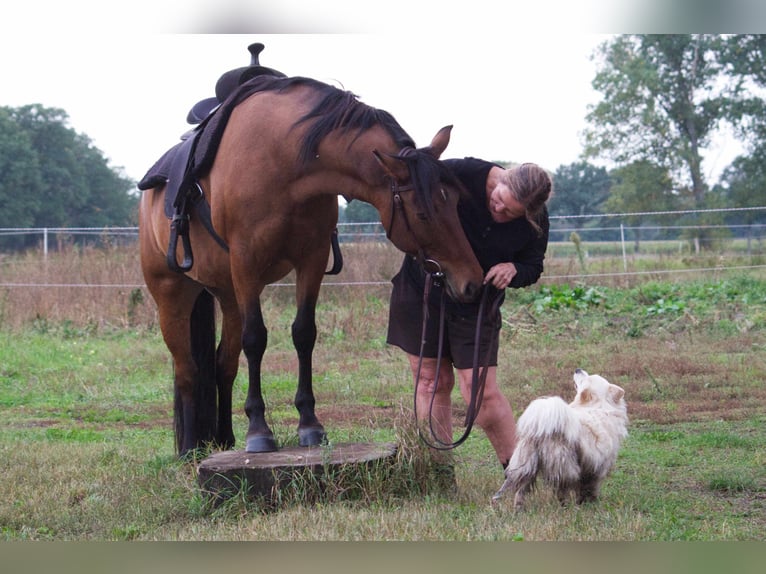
(336, 109)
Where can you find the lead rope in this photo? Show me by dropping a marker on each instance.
(478, 381)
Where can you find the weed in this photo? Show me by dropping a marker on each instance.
(557, 297)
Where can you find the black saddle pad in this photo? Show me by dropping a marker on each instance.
(192, 158)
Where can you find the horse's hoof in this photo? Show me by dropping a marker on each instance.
(312, 437)
(261, 444)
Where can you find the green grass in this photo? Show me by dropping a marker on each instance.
(86, 444)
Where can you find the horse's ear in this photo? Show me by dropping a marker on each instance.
(394, 167)
(439, 143)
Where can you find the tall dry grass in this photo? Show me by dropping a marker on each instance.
(83, 285)
(90, 287)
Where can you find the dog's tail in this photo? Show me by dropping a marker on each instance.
(549, 417)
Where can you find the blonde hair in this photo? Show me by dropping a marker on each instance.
(531, 186)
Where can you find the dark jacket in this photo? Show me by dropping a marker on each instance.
(515, 241)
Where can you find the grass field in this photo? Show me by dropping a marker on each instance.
(86, 439)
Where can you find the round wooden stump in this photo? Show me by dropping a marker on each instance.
(262, 475)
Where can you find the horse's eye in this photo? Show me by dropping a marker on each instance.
(444, 194)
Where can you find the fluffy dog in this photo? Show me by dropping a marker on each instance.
(572, 447)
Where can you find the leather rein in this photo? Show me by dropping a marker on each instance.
(479, 374)
(435, 276)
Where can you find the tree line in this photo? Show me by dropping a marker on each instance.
(52, 176)
(664, 100)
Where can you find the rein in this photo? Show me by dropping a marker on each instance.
(434, 275)
(478, 381)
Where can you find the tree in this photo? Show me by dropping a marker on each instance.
(640, 187)
(663, 98)
(51, 176)
(20, 182)
(744, 183)
(579, 189)
(112, 198)
(745, 58)
(360, 212)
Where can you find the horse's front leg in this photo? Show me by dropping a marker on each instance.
(304, 331)
(254, 339)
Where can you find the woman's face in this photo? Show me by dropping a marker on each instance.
(503, 206)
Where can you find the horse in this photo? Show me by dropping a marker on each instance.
(287, 152)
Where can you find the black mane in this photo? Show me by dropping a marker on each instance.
(337, 109)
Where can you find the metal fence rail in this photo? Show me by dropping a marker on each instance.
(734, 231)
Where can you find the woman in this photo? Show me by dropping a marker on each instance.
(505, 219)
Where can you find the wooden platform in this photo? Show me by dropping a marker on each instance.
(262, 475)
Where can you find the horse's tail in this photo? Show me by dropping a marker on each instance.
(203, 347)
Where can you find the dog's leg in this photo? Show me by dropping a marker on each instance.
(563, 493)
(521, 470)
(499, 494)
(588, 488)
(521, 492)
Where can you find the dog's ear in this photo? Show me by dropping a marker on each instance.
(585, 396)
(616, 393)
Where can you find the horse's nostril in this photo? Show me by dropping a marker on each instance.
(472, 291)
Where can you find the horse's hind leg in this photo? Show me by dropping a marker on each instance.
(254, 340)
(186, 312)
(227, 361)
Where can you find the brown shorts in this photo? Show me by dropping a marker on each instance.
(405, 326)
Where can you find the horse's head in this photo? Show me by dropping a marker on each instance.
(422, 217)
(420, 212)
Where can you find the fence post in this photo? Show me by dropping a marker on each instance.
(622, 241)
(45, 243)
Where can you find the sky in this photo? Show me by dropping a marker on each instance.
(519, 99)
(513, 80)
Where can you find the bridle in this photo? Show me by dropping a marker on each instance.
(397, 206)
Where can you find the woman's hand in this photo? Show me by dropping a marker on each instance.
(501, 275)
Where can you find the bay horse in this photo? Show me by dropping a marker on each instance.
(286, 154)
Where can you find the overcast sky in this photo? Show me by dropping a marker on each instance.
(514, 80)
(516, 99)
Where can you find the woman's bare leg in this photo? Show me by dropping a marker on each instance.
(434, 411)
(495, 415)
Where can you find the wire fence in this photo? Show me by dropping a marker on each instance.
(712, 240)
(640, 223)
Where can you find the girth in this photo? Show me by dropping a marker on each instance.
(188, 202)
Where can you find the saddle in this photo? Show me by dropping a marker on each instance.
(180, 168)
